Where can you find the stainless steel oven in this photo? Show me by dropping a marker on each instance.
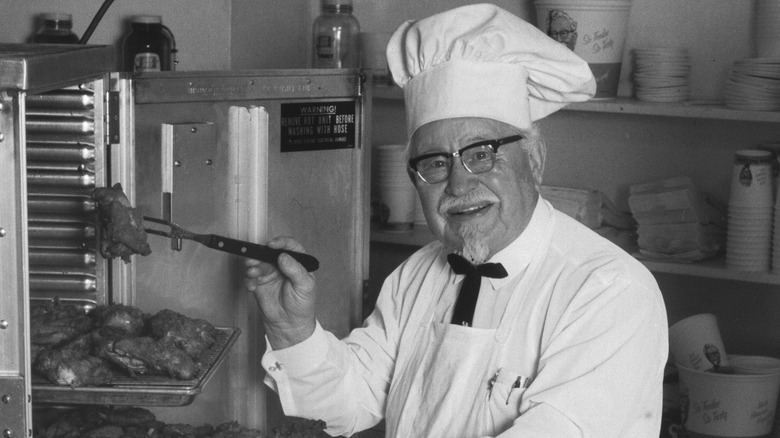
(247, 154)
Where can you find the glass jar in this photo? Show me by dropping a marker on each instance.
(148, 46)
(56, 29)
(335, 36)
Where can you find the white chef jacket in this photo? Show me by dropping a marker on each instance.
(589, 341)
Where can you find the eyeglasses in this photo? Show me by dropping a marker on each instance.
(476, 158)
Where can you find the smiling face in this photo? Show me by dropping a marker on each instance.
(479, 214)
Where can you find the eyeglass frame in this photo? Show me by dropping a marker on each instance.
(494, 144)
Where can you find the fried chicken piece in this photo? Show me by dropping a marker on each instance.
(53, 323)
(107, 431)
(72, 365)
(75, 423)
(194, 336)
(131, 417)
(186, 431)
(126, 319)
(300, 428)
(122, 232)
(144, 355)
(151, 431)
(234, 430)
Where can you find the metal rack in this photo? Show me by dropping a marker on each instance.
(143, 390)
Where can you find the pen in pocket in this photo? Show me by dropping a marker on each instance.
(520, 382)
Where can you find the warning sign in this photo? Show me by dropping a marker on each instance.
(317, 126)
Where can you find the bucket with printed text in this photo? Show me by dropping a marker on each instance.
(739, 404)
(595, 30)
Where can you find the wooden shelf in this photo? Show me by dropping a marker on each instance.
(715, 268)
(621, 105)
(683, 109)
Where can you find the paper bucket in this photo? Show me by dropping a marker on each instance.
(727, 405)
(695, 342)
(595, 30)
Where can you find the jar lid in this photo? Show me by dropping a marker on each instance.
(57, 16)
(147, 19)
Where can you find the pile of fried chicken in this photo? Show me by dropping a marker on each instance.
(135, 422)
(75, 347)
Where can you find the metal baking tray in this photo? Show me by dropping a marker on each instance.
(142, 390)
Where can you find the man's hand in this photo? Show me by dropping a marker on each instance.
(285, 295)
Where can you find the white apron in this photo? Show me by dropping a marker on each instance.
(451, 385)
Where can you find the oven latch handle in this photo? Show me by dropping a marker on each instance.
(112, 117)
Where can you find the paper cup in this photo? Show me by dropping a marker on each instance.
(594, 29)
(694, 339)
(752, 180)
(728, 405)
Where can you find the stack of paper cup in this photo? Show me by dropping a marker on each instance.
(396, 191)
(749, 236)
(768, 28)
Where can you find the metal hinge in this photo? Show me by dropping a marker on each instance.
(112, 117)
(361, 82)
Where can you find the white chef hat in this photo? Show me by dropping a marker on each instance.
(482, 61)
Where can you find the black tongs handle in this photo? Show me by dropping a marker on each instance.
(259, 252)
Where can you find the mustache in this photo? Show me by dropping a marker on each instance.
(475, 197)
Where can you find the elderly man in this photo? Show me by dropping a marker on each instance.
(518, 321)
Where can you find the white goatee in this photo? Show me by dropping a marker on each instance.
(474, 248)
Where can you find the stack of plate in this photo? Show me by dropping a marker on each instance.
(754, 85)
(768, 28)
(662, 74)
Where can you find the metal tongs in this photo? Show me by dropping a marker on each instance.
(233, 246)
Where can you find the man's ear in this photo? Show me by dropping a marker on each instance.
(537, 154)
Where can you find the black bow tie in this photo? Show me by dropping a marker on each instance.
(469, 290)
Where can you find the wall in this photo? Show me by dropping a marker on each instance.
(277, 35)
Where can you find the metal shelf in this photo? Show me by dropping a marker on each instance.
(622, 105)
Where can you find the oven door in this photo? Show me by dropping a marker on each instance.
(51, 98)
